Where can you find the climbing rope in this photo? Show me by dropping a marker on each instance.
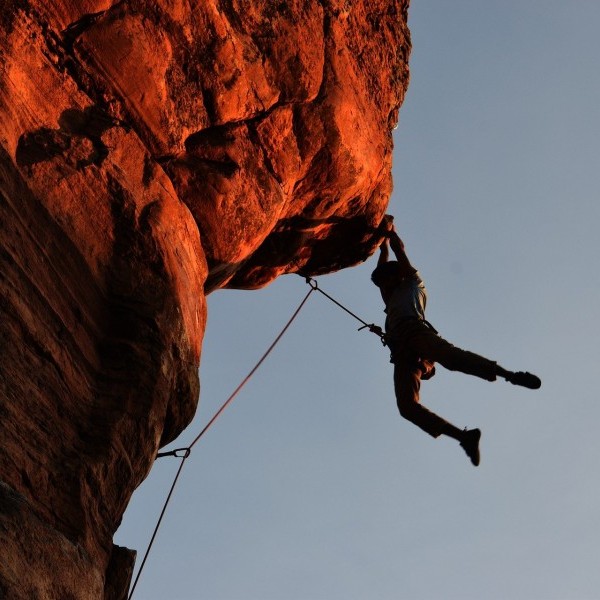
(370, 326)
(184, 453)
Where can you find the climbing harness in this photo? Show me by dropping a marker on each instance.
(184, 453)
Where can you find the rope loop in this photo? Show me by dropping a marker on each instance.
(372, 328)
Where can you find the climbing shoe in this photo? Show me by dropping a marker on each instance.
(470, 444)
(525, 379)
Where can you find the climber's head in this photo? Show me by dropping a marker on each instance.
(386, 273)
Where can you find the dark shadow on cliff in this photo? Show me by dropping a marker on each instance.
(301, 245)
(44, 143)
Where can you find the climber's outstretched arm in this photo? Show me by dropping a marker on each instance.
(397, 246)
(384, 252)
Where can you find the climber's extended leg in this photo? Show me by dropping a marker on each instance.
(428, 344)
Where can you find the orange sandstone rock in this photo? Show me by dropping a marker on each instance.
(151, 152)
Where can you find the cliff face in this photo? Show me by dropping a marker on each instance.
(151, 152)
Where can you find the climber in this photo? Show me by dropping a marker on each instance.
(415, 345)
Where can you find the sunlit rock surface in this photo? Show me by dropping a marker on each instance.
(151, 152)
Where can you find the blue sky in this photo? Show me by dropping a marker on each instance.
(310, 486)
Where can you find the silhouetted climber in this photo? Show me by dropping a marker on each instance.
(415, 345)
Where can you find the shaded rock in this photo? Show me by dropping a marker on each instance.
(151, 152)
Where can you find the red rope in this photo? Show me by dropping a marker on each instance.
(188, 450)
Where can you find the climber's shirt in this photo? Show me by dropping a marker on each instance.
(405, 311)
(407, 301)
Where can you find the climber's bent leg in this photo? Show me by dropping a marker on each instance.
(407, 383)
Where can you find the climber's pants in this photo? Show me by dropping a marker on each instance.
(420, 342)
(407, 383)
